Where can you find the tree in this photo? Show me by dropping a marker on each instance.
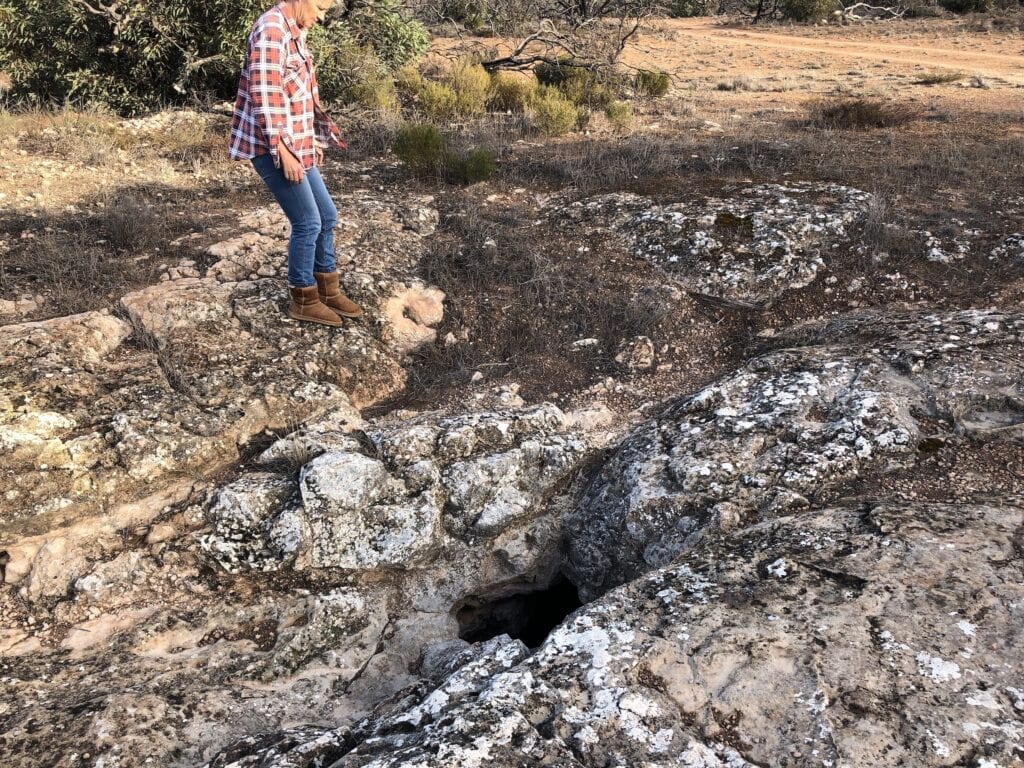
(136, 55)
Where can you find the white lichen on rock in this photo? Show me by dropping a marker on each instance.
(751, 246)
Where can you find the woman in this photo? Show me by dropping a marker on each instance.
(279, 125)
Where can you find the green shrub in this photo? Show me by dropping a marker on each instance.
(552, 112)
(584, 86)
(510, 93)
(387, 28)
(650, 83)
(421, 147)
(475, 166)
(169, 51)
(967, 6)
(472, 14)
(437, 100)
(471, 84)
(689, 8)
(374, 92)
(551, 73)
(409, 80)
(587, 88)
(351, 73)
(807, 10)
(620, 114)
(464, 91)
(427, 154)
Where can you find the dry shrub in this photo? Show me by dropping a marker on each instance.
(409, 80)
(376, 91)
(859, 114)
(71, 270)
(437, 100)
(522, 294)
(185, 142)
(130, 224)
(472, 85)
(463, 91)
(939, 78)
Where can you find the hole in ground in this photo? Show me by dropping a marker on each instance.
(528, 616)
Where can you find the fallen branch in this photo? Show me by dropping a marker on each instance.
(874, 11)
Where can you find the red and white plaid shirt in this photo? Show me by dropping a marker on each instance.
(278, 99)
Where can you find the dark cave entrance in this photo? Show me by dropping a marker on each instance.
(528, 616)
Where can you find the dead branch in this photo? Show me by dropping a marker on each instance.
(854, 12)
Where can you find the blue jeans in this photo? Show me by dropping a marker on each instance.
(313, 216)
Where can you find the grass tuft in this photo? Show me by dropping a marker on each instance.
(939, 78)
(859, 114)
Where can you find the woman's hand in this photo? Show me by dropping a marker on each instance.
(319, 155)
(290, 165)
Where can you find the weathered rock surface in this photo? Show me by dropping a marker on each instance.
(749, 247)
(369, 542)
(404, 496)
(855, 396)
(881, 635)
(99, 411)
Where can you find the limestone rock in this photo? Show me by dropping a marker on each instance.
(343, 628)
(243, 515)
(759, 442)
(392, 500)
(411, 314)
(846, 636)
(749, 246)
(636, 354)
(359, 516)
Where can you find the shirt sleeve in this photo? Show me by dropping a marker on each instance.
(267, 54)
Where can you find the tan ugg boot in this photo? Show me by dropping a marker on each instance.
(306, 305)
(331, 295)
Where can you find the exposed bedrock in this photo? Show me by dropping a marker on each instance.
(212, 556)
(106, 420)
(860, 395)
(880, 635)
(749, 246)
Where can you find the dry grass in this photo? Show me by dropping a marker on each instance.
(95, 137)
(88, 137)
(859, 114)
(521, 295)
(940, 78)
(85, 260)
(130, 224)
(71, 272)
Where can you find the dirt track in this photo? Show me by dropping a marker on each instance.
(982, 54)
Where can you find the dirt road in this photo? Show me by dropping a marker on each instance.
(974, 54)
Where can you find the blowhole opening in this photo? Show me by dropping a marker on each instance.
(528, 616)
